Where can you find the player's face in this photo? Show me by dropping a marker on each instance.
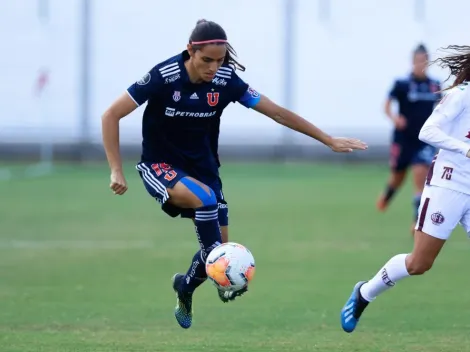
(420, 63)
(208, 60)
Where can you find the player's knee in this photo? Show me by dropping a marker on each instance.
(209, 199)
(418, 265)
(204, 194)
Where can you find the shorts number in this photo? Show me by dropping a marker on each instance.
(164, 168)
(157, 169)
(170, 175)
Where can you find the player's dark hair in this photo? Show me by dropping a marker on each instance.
(420, 49)
(458, 63)
(208, 32)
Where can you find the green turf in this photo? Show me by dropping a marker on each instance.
(84, 270)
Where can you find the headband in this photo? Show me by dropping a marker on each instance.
(209, 41)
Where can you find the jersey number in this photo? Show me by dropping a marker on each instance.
(164, 168)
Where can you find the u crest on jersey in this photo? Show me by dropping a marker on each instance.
(213, 99)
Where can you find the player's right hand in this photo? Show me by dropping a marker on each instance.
(118, 183)
(400, 122)
(346, 145)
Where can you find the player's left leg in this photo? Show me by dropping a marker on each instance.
(225, 296)
(465, 222)
(439, 213)
(419, 178)
(223, 210)
(224, 232)
(421, 162)
(400, 158)
(400, 266)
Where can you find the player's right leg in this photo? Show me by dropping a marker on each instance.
(222, 212)
(399, 161)
(440, 212)
(167, 184)
(190, 193)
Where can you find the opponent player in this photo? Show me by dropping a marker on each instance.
(416, 96)
(186, 96)
(446, 198)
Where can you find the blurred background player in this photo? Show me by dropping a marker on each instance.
(416, 96)
(446, 198)
(179, 166)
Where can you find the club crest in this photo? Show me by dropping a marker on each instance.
(213, 99)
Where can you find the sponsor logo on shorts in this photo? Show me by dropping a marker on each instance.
(437, 218)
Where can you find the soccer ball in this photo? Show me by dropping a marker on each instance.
(230, 266)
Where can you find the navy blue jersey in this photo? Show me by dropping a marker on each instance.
(181, 122)
(416, 99)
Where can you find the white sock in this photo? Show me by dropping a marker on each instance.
(393, 271)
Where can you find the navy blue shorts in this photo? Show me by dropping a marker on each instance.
(403, 155)
(158, 177)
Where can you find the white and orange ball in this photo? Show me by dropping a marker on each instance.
(230, 266)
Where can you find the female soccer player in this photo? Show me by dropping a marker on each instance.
(446, 198)
(416, 96)
(186, 96)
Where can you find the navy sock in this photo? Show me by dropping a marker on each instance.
(209, 236)
(389, 193)
(196, 274)
(416, 203)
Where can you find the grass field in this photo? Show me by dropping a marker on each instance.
(84, 270)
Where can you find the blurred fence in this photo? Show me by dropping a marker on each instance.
(332, 61)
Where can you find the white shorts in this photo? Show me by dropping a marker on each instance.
(441, 210)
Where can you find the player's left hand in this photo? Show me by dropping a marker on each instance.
(346, 145)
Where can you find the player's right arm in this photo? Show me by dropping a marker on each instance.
(398, 120)
(436, 129)
(137, 94)
(123, 106)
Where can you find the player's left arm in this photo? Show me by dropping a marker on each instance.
(262, 104)
(435, 129)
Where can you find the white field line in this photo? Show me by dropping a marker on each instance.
(77, 244)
